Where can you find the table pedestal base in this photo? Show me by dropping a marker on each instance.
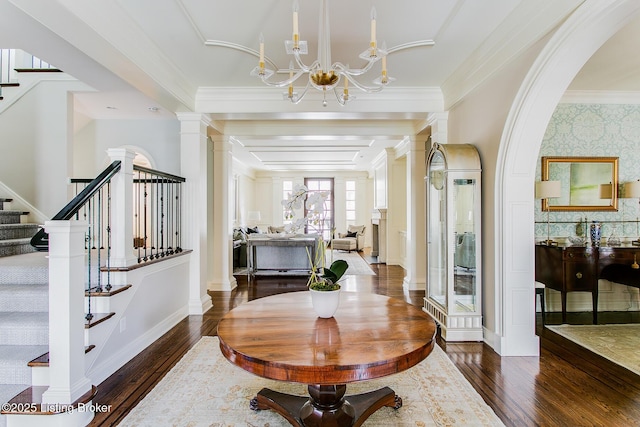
(326, 405)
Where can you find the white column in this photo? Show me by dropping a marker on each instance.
(67, 380)
(340, 205)
(195, 202)
(276, 211)
(222, 262)
(415, 277)
(122, 252)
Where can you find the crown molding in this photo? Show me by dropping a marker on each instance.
(528, 23)
(265, 99)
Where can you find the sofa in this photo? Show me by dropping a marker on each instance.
(465, 254)
(352, 240)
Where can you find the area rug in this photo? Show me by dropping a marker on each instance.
(204, 389)
(618, 343)
(357, 265)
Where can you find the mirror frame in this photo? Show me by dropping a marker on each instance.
(613, 161)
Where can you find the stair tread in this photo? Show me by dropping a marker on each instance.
(24, 297)
(11, 319)
(8, 391)
(13, 212)
(43, 360)
(97, 319)
(21, 352)
(116, 289)
(19, 241)
(20, 225)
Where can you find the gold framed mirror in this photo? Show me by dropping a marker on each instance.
(587, 183)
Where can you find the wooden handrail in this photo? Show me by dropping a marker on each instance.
(41, 239)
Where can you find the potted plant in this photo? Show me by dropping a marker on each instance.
(323, 282)
(324, 287)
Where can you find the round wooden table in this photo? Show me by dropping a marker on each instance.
(280, 337)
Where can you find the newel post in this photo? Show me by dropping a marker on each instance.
(67, 380)
(122, 252)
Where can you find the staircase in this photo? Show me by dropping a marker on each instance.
(24, 304)
(14, 236)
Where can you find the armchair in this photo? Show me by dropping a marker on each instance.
(353, 239)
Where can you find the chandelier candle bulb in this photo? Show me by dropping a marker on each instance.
(261, 40)
(373, 27)
(296, 36)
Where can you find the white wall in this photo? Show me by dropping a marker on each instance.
(397, 212)
(36, 145)
(159, 138)
(479, 119)
(137, 322)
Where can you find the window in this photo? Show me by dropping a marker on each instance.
(350, 196)
(287, 188)
(322, 184)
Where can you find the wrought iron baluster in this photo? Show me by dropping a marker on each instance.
(89, 315)
(146, 236)
(108, 287)
(99, 246)
(161, 183)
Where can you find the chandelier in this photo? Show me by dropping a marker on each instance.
(322, 74)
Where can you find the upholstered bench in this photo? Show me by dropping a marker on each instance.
(344, 244)
(352, 240)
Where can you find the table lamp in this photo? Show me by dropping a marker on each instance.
(548, 190)
(632, 191)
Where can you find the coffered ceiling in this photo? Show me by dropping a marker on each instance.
(196, 55)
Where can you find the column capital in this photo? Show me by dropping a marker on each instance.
(194, 123)
(120, 153)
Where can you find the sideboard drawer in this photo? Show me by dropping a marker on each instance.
(577, 254)
(618, 256)
(579, 276)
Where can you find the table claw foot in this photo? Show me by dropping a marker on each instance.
(254, 405)
(398, 402)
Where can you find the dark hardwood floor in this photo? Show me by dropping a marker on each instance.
(566, 386)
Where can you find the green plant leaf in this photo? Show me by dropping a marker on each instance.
(338, 268)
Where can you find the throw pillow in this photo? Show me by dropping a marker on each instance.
(354, 234)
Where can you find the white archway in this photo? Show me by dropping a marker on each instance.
(592, 24)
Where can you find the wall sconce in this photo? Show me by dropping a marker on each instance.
(548, 190)
(632, 191)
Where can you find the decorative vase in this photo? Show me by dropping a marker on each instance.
(613, 239)
(325, 303)
(596, 233)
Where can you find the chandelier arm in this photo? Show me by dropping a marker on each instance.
(339, 97)
(297, 99)
(355, 71)
(282, 83)
(303, 67)
(368, 89)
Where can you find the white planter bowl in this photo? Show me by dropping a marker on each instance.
(325, 303)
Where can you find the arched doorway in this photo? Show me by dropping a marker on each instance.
(568, 50)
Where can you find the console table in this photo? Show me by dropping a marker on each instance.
(578, 268)
(278, 254)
